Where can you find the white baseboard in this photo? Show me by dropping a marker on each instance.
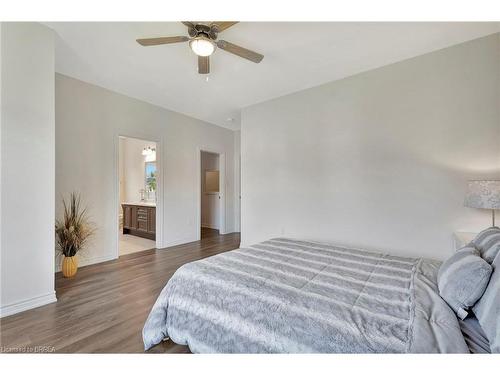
(88, 261)
(27, 304)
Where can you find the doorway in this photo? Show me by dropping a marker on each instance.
(138, 190)
(211, 194)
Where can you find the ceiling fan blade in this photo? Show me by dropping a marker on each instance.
(203, 64)
(162, 40)
(240, 51)
(221, 25)
(191, 28)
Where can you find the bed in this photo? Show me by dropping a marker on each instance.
(292, 296)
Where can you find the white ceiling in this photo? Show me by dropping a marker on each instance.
(298, 55)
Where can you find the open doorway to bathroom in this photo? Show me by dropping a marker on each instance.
(138, 187)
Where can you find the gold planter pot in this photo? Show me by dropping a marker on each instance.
(69, 266)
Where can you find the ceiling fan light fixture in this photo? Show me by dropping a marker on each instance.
(203, 41)
(202, 46)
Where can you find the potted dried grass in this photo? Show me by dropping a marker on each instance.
(72, 233)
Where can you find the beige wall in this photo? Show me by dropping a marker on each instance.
(27, 170)
(379, 159)
(89, 120)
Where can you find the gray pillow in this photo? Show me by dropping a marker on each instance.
(462, 279)
(488, 243)
(487, 310)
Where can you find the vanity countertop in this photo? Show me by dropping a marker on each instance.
(145, 204)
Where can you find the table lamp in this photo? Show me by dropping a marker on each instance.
(483, 194)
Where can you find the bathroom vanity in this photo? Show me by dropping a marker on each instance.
(139, 219)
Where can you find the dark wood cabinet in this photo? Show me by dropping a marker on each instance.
(152, 221)
(139, 220)
(127, 216)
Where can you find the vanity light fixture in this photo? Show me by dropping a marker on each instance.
(147, 151)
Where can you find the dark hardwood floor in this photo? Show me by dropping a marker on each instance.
(104, 307)
(208, 233)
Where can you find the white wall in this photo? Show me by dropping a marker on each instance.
(209, 201)
(27, 169)
(380, 159)
(133, 177)
(89, 120)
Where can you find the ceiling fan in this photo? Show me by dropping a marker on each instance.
(203, 42)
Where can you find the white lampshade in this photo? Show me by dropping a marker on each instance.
(483, 194)
(202, 46)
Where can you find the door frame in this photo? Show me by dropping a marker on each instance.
(222, 189)
(159, 186)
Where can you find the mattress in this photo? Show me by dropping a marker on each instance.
(293, 296)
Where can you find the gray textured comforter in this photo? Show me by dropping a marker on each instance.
(292, 296)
